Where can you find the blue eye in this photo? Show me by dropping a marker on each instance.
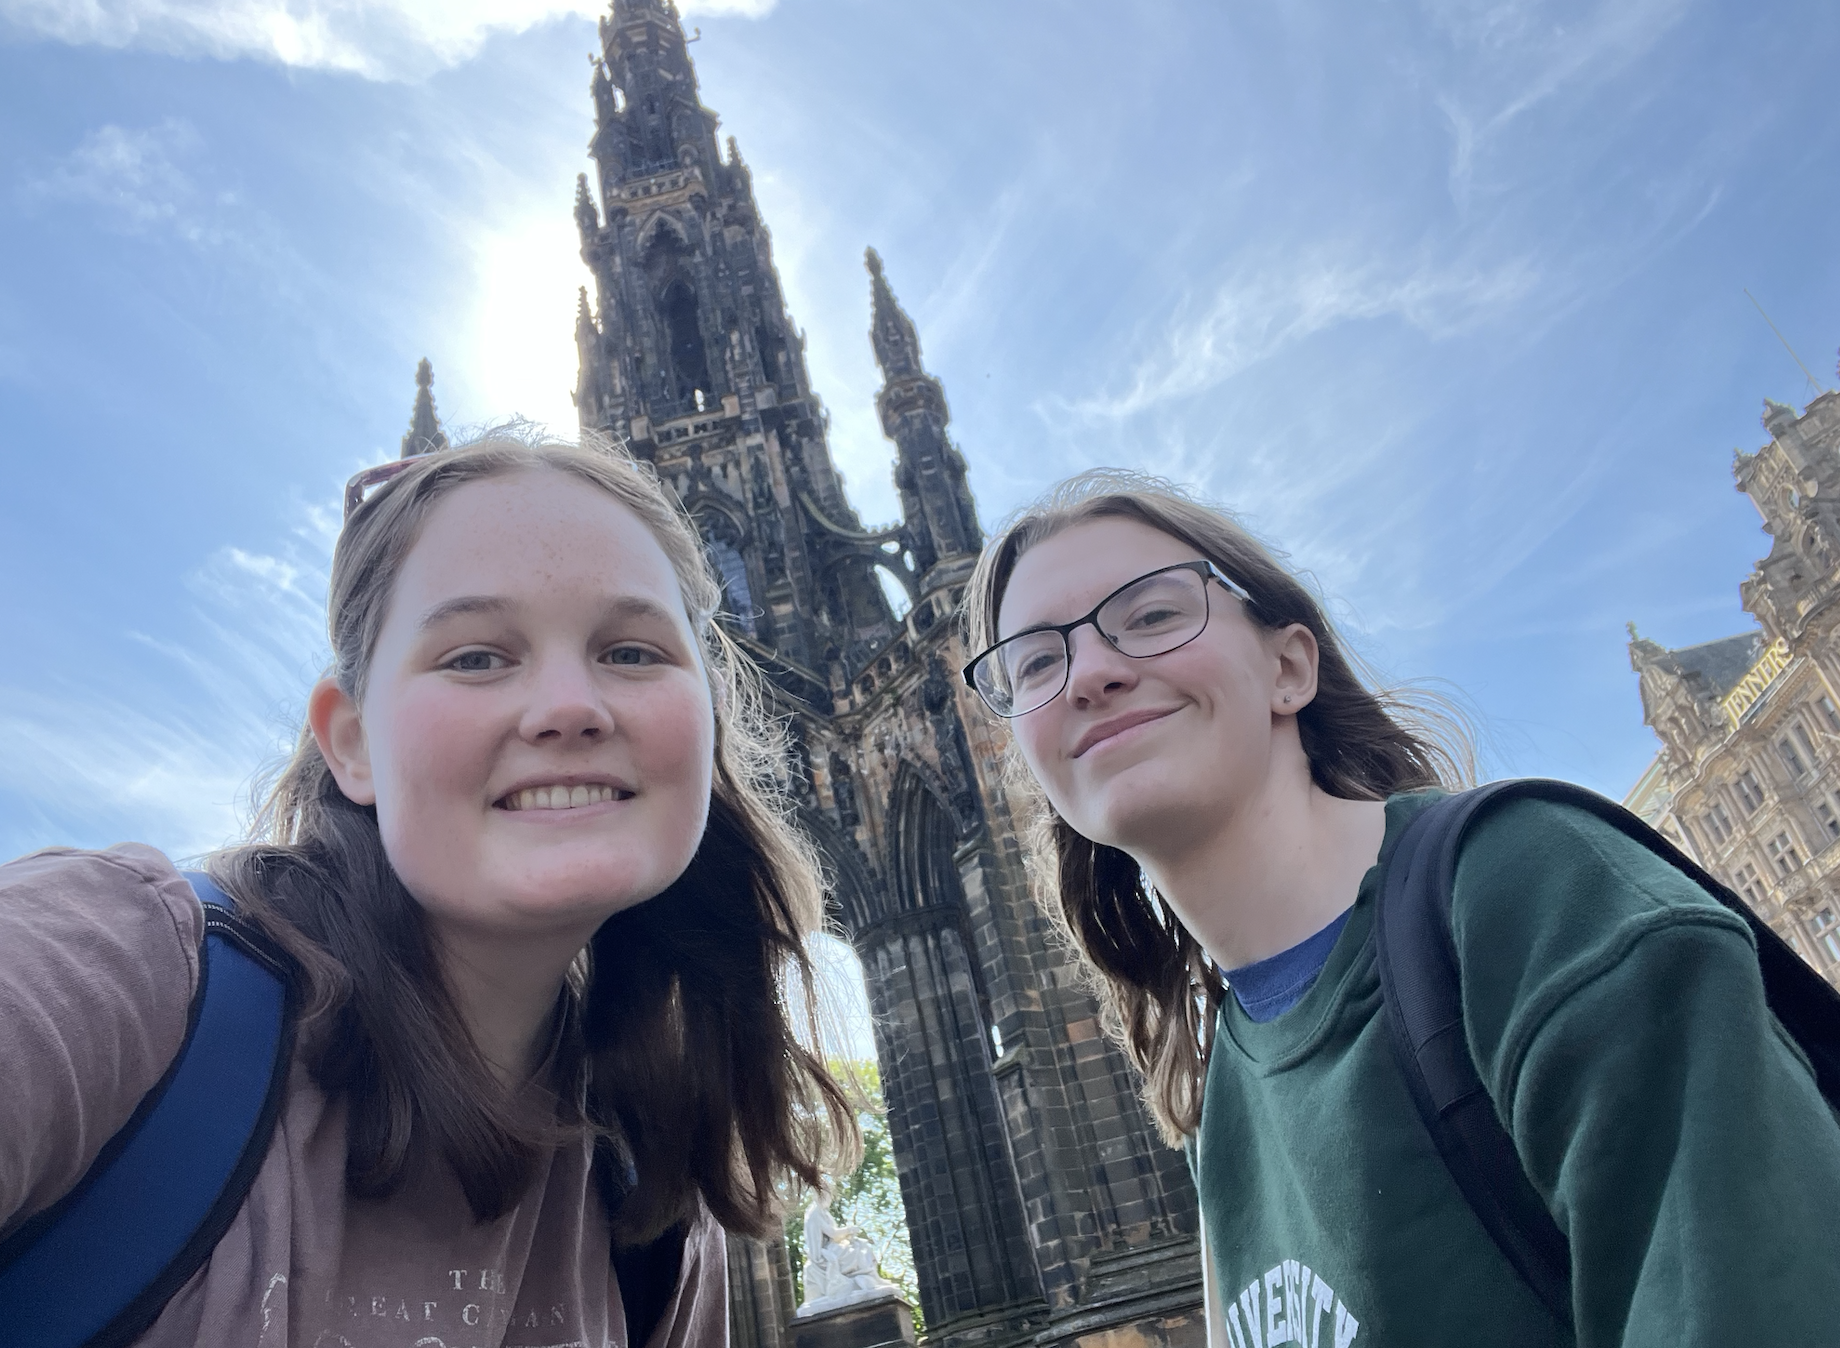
(631, 656)
(475, 662)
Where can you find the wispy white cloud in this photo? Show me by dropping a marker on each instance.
(1514, 55)
(168, 760)
(377, 39)
(962, 299)
(138, 177)
(1267, 307)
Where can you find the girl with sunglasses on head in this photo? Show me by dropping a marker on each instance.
(1217, 797)
(545, 917)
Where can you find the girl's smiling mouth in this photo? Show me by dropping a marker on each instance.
(562, 796)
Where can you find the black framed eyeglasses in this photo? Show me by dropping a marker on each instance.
(1152, 615)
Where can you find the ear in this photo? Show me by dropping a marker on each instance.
(1295, 651)
(340, 734)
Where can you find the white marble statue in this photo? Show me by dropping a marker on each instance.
(840, 1263)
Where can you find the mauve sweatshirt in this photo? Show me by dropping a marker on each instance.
(98, 964)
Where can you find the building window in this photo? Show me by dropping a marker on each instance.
(1829, 820)
(1828, 713)
(1801, 738)
(1750, 795)
(1722, 821)
(1827, 931)
(686, 338)
(735, 588)
(1750, 885)
(1791, 759)
(1783, 854)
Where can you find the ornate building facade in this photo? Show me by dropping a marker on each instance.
(1040, 1204)
(1748, 777)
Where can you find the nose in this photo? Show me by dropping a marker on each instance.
(1095, 668)
(567, 705)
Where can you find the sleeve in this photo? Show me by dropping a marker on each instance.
(697, 1316)
(98, 963)
(1617, 1014)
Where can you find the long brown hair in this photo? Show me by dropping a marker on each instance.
(687, 1035)
(1159, 992)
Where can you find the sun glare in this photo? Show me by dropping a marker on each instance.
(521, 353)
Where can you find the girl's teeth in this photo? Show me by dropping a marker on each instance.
(560, 797)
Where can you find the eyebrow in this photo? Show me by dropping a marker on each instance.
(626, 606)
(466, 603)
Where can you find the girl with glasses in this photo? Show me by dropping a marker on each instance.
(548, 922)
(1216, 793)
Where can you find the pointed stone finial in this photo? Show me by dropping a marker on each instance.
(896, 340)
(425, 434)
(1642, 651)
(587, 218)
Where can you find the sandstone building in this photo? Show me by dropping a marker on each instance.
(1040, 1204)
(1748, 777)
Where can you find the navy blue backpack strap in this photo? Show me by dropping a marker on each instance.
(98, 1266)
(1416, 955)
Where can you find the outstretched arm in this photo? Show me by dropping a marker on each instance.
(98, 963)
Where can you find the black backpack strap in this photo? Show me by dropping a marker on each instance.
(1416, 956)
(648, 1276)
(647, 1273)
(98, 1266)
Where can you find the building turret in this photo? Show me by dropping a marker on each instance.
(1794, 481)
(1683, 690)
(425, 434)
(941, 520)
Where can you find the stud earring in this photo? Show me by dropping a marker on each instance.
(1287, 699)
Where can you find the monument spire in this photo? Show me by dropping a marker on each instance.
(425, 434)
(941, 520)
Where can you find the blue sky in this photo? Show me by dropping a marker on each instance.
(1447, 297)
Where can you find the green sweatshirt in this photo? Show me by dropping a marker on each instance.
(1615, 1012)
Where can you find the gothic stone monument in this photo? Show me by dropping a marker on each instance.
(1041, 1205)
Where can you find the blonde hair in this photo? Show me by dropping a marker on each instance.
(1159, 993)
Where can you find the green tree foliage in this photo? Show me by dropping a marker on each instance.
(869, 1197)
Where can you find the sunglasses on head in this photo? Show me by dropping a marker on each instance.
(364, 482)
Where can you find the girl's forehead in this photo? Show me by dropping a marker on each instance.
(531, 512)
(1068, 572)
(531, 529)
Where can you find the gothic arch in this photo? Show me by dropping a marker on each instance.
(850, 887)
(680, 312)
(922, 840)
(958, 1181)
(662, 222)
